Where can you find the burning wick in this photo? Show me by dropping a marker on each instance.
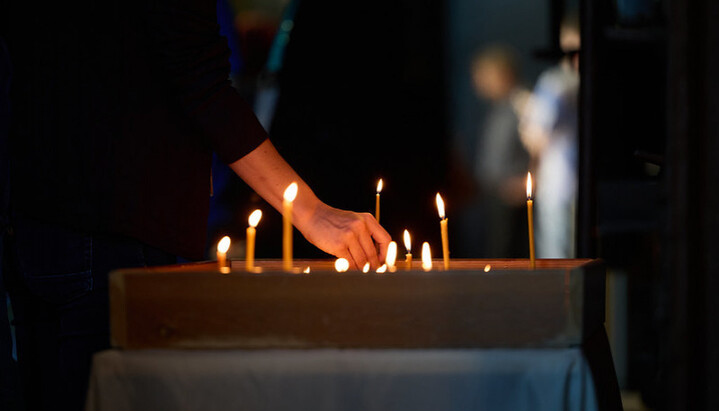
(222, 248)
(342, 265)
(487, 268)
(382, 268)
(408, 246)
(253, 220)
(426, 257)
(365, 269)
(307, 270)
(530, 220)
(288, 197)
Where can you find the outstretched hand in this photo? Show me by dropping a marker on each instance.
(358, 237)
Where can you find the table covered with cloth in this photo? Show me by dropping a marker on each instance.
(334, 379)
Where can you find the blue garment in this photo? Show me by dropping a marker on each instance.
(58, 285)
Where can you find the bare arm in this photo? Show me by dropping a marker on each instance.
(354, 236)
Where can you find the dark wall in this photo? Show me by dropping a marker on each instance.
(361, 97)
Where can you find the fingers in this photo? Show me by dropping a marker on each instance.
(368, 247)
(379, 234)
(358, 255)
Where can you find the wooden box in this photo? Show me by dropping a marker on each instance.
(195, 306)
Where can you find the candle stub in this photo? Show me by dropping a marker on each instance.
(426, 257)
(408, 247)
(391, 258)
(342, 265)
(222, 247)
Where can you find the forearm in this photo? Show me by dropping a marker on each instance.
(268, 174)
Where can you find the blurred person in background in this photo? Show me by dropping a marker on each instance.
(501, 159)
(549, 131)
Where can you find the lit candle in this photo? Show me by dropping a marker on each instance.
(376, 204)
(426, 257)
(391, 256)
(443, 227)
(289, 197)
(382, 269)
(307, 270)
(366, 267)
(408, 246)
(530, 220)
(251, 231)
(342, 265)
(222, 248)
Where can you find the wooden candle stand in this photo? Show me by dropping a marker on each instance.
(560, 303)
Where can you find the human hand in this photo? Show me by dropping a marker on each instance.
(345, 234)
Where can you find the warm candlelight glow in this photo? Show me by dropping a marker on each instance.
(382, 268)
(426, 257)
(290, 192)
(307, 270)
(254, 218)
(342, 265)
(407, 241)
(440, 206)
(408, 247)
(223, 245)
(365, 269)
(391, 254)
(529, 185)
(379, 186)
(487, 268)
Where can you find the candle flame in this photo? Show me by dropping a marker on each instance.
(529, 185)
(382, 268)
(307, 270)
(487, 268)
(223, 245)
(291, 192)
(255, 218)
(407, 241)
(391, 254)
(342, 265)
(379, 186)
(365, 269)
(440, 206)
(426, 257)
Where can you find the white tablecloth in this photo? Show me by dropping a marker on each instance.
(327, 379)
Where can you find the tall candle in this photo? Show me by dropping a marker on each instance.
(443, 229)
(391, 256)
(408, 246)
(251, 232)
(426, 257)
(376, 204)
(530, 220)
(288, 198)
(222, 246)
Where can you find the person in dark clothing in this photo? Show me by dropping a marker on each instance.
(117, 108)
